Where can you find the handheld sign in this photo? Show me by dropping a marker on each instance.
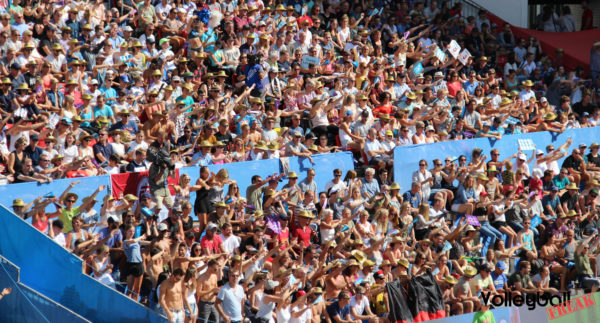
(454, 48)
(526, 144)
(418, 68)
(535, 221)
(472, 220)
(463, 57)
(440, 54)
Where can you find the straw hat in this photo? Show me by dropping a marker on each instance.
(450, 280)
(306, 214)
(528, 83)
(572, 186)
(404, 263)
(470, 271)
(18, 202)
(395, 186)
(205, 143)
(549, 116)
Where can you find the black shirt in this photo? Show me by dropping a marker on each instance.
(571, 162)
(593, 160)
(579, 108)
(224, 138)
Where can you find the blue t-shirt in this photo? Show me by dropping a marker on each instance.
(253, 77)
(334, 309)
(370, 188)
(413, 199)
(553, 202)
(499, 280)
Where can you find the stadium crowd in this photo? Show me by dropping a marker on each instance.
(106, 88)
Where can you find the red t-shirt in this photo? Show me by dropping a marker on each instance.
(453, 87)
(284, 237)
(303, 235)
(211, 245)
(387, 109)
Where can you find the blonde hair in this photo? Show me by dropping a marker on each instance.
(424, 211)
(222, 175)
(182, 177)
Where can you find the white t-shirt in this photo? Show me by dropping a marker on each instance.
(230, 243)
(359, 306)
(60, 239)
(305, 317)
(231, 298)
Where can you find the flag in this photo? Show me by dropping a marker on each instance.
(425, 298)
(136, 183)
(399, 310)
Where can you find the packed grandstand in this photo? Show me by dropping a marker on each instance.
(141, 91)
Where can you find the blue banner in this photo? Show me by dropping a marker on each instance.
(54, 272)
(324, 164)
(406, 158)
(29, 191)
(24, 304)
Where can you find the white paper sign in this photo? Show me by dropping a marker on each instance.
(464, 56)
(454, 48)
(440, 54)
(526, 144)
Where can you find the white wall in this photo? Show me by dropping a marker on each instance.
(512, 11)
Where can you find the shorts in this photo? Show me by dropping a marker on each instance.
(163, 196)
(499, 224)
(135, 269)
(455, 207)
(194, 309)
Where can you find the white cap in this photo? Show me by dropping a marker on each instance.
(271, 284)
(539, 152)
(543, 99)
(430, 128)
(94, 81)
(522, 156)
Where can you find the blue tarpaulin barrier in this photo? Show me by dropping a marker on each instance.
(53, 271)
(406, 158)
(24, 304)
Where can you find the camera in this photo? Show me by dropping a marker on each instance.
(160, 158)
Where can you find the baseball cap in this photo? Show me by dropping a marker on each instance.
(162, 227)
(212, 227)
(500, 265)
(522, 156)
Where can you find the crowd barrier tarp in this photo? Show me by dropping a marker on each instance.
(29, 191)
(577, 45)
(24, 304)
(242, 172)
(324, 164)
(406, 158)
(53, 271)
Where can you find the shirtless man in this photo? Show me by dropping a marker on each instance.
(206, 292)
(335, 283)
(155, 266)
(172, 297)
(317, 307)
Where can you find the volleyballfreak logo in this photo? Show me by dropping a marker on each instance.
(530, 300)
(571, 306)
